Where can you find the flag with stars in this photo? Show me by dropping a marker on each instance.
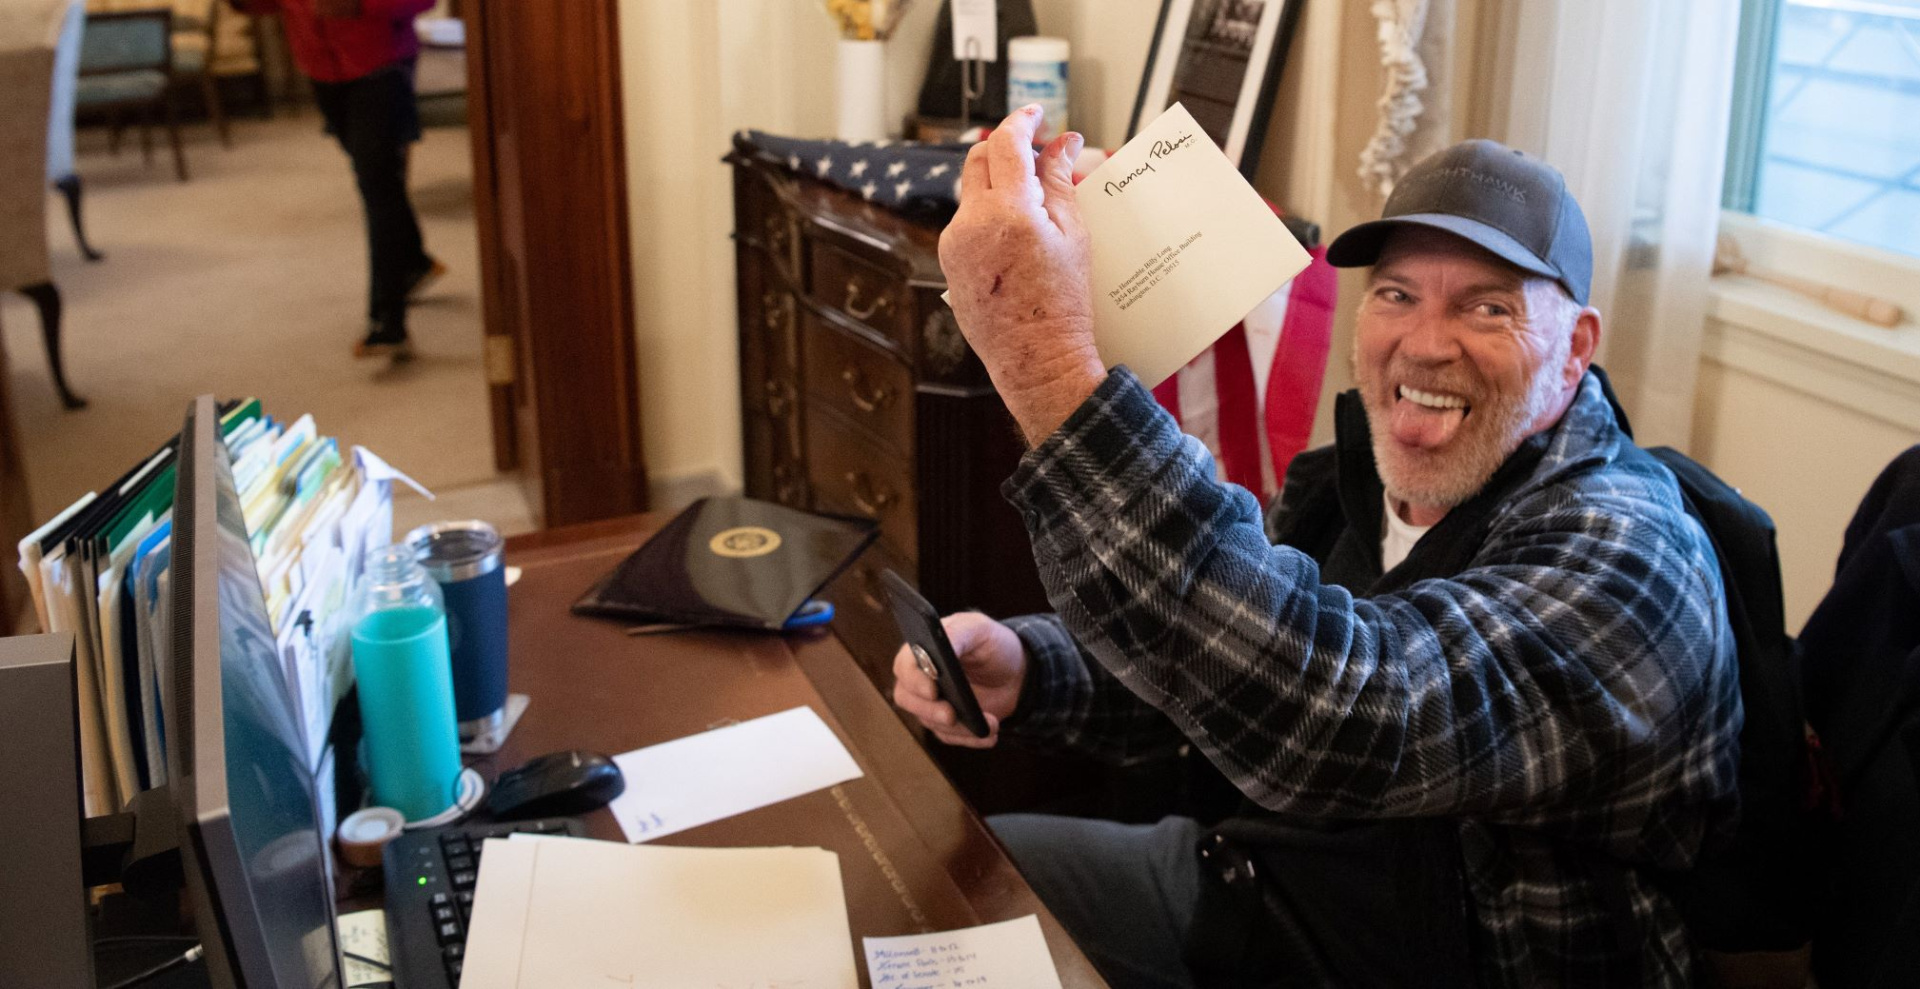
(903, 175)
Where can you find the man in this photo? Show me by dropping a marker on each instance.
(1478, 698)
(360, 55)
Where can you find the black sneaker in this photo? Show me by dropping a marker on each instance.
(385, 339)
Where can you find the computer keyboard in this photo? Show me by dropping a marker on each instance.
(430, 877)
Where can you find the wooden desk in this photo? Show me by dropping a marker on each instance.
(913, 856)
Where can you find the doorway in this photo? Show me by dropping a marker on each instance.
(248, 279)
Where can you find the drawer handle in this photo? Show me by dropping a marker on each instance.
(787, 487)
(777, 313)
(874, 400)
(777, 398)
(880, 302)
(865, 497)
(777, 234)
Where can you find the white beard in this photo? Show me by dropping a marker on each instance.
(1493, 430)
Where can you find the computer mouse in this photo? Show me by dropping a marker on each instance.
(559, 784)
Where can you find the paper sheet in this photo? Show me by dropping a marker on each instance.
(689, 781)
(1009, 955)
(976, 30)
(30, 558)
(363, 945)
(1183, 248)
(574, 912)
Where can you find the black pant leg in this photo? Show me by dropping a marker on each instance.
(375, 119)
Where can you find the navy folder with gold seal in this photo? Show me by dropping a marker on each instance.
(730, 562)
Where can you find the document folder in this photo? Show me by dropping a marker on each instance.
(730, 562)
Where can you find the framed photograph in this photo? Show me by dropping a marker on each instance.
(1222, 59)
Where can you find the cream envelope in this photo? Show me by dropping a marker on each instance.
(1183, 248)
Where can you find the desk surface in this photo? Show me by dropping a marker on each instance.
(913, 856)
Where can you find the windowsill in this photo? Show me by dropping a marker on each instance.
(1781, 336)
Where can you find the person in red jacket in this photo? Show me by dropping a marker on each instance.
(360, 55)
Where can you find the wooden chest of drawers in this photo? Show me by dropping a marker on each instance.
(860, 397)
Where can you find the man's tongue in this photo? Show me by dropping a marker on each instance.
(1422, 427)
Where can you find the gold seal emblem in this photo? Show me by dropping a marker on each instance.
(744, 543)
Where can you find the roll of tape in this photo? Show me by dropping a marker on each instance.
(469, 789)
(365, 832)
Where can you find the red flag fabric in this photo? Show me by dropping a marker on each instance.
(1252, 396)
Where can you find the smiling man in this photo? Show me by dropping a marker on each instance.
(1473, 673)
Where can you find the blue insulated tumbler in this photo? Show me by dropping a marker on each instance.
(464, 558)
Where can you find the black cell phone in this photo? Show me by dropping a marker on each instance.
(927, 640)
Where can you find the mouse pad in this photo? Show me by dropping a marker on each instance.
(730, 562)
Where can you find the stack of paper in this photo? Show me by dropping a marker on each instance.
(100, 570)
(573, 912)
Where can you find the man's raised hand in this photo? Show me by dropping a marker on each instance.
(1019, 276)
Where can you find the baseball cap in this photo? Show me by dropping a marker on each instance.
(1512, 204)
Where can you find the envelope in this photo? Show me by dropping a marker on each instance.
(1182, 247)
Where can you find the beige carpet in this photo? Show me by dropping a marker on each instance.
(249, 279)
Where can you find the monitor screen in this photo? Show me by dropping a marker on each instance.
(256, 860)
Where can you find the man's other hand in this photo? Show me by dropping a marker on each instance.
(337, 8)
(995, 664)
(1019, 274)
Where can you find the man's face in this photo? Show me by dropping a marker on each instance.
(1459, 357)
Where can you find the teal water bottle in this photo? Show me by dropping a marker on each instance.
(401, 661)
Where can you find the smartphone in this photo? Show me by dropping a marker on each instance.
(925, 637)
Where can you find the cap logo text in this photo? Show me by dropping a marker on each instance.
(1492, 183)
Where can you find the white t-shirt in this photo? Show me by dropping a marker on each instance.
(1399, 539)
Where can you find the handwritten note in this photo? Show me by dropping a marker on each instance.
(363, 943)
(690, 781)
(1009, 955)
(1183, 248)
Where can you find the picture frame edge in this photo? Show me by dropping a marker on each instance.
(1269, 91)
(1146, 72)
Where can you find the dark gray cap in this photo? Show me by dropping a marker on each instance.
(1512, 204)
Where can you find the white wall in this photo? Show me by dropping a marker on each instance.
(692, 74)
(1794, 411)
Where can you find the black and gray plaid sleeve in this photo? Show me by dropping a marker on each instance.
(1074, 703)
(1577, 676)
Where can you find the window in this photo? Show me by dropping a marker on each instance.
(1826, 127)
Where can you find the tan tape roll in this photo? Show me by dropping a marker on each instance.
(366, 832)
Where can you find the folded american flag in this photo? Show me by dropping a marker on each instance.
(910, 177)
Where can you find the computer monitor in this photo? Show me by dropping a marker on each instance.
(250, 843)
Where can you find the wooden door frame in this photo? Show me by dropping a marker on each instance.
(506, 450)
(550, 208)
(16, 514)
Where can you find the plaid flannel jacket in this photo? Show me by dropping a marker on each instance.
(1570, 698)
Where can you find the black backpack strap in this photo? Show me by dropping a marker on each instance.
(1753, 886)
